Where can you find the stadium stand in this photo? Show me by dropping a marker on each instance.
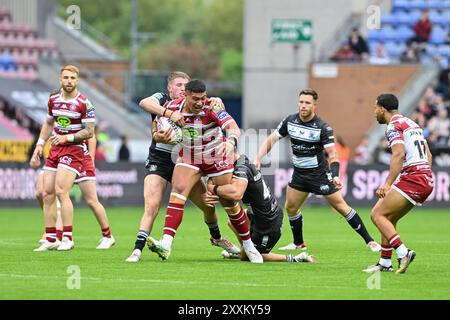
(20, 49)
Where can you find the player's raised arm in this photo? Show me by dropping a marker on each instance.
(151, 104)
(266, 147)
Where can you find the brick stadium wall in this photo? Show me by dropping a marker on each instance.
(346, 101)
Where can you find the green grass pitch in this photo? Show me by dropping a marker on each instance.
(196, 270)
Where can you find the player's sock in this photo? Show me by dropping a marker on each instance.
(296, 223)
(214, 230)
(174, 215)
(106, 232)
(67, 232)
(240, 223)
(50, 234)
(167, 241)
(386, 254)
(356, 223)
(141, 238)
(290, 258)
(398, 245)
(59, 234)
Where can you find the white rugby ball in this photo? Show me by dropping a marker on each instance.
(164, 123)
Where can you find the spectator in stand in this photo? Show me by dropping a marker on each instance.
(358, 45)
(411, 53)
(380, 56)
(382, 154)
(345, 53)
(124, 152)
(421, 119)
(440, 125)
(422, 28)
(443, 87)
(438, 103)
(100, 152)
(344, 156)
(424, 108)
(362, 152)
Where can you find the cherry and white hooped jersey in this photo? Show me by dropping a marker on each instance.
(403, 130)
(70, 115)
(202, 131)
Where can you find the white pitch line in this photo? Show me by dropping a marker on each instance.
(203, 284)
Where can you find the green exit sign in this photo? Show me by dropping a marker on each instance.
(291, 30)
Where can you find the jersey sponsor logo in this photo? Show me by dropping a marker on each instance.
(221, 164)
(191, 133)
(304, 133)
(392, 135)
(63, 121)
(90, 113)
(222, 115)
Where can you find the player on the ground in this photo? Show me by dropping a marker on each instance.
(74, 117)
(264, 212)
(310, 136)
(411, 164)
(159, 169)
(205, 151)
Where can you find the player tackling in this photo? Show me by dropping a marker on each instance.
(409, 182)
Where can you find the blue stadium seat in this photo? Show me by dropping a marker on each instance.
(404, 33)
(444, 50)
(400, 4)
(402, 17)
(376, 35)
(426, 59)
(417, 4)
(434, 4)
(446, 4)
(388, 19)
(394, 49)
(432, 50)
(438, 35)
(437, 18)
(372, 46)
(7, 62)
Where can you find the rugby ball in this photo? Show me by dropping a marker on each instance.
(164, 123)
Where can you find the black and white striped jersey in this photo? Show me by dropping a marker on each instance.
(257, 197)
(308, 141)
(160, 150)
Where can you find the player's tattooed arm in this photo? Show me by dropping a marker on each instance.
(86, 133)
